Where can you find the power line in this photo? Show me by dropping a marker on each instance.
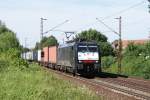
(56, 26)
(124, 10)
(107, 26)
(119, 12)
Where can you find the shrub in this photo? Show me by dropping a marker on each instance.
(10, 60)
(108, 61)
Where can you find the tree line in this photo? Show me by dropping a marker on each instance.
(88, 35)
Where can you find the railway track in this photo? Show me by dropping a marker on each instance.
(112, 88)
(126, 88)
(128, 83)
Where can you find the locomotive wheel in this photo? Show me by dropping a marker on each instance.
(74, 72)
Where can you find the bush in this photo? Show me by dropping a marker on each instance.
(135, 62)
(146, 70)
(3, 65)
(10, 60)
(108, 61)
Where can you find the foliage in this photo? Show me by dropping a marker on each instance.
(8, 39)
(134, 50)
(135, 62)
(46, 41)
(10, 50)
(10, 60)
(108, 61)
(93, 35)
(38, 84)
(3, 28)
(106, 49)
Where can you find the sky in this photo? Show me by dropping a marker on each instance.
(23, 17)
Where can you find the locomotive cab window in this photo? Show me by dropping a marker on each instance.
(82, 49)
(92, 48)
(87, 49)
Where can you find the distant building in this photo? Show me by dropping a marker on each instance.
(125, 43)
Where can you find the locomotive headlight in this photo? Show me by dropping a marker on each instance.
(96, 61)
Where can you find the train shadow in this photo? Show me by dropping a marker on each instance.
(109, 75)
(88, 76)
(103, 75)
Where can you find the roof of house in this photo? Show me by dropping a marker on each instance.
(126, 42)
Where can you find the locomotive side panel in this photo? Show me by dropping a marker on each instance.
(65, 56)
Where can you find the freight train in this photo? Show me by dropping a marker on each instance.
(76, 57)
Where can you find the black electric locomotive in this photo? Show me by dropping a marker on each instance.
(79, 57)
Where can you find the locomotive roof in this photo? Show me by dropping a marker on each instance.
(79, 43)
(66, 45)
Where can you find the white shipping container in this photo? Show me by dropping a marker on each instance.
(23, 55)
(39, 55)
(29, 55)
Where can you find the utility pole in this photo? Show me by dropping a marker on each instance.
(42, 20)
(120, 45)
(119, 51)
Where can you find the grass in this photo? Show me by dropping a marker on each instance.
(36, 84)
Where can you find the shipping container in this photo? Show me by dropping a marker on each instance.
(52, 54)
(29, 55)
(24, 55)
(35, 55)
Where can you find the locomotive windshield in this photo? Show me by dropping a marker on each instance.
(88, 53)
(87, 49)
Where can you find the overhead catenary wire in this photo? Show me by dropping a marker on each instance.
(124, 10)
(107, 26)
(114, 14)
(56, 26)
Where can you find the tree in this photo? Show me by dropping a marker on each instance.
(46, 41)
(8, 39)
(94, 35)
(37, 46)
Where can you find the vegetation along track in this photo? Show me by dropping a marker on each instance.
(112, 88)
